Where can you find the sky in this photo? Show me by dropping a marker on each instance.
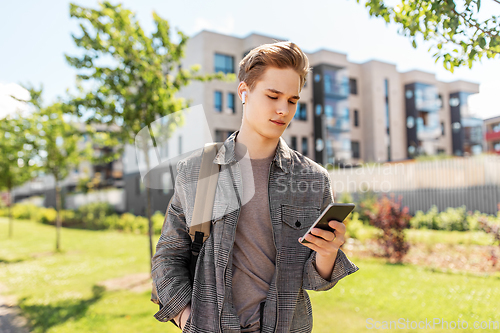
(35, 35)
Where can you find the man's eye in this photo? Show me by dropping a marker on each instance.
(292, 103)
(272, 97)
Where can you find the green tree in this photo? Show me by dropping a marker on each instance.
(17, 152)
(60, 147)
(456, 32)
(133, 77)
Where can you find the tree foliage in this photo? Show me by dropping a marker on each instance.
(17, 153)
(60, 145)
(457, 34)
(131, 79)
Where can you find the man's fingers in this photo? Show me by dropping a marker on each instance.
(339, 226)
(325, 234)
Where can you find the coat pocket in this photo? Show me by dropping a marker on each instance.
(297, 217)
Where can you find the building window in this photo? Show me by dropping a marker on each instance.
(356, 118)
(293, 144)
(304, 146)
(222, 135)
(440, 101)
(230, 102)
(353, 86)
(442, 128)
(328, 84)
(301, 112)
(224, 63)
(218, 101)
(318, 109)
(355, 149)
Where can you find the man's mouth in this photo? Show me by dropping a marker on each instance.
(277, 122)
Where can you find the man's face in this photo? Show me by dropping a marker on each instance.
(270, 107)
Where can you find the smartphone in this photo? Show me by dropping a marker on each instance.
(334, 211)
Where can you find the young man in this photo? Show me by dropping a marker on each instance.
(252, 272)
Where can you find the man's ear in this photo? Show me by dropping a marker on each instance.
(243, 91)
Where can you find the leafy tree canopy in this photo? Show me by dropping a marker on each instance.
(458, 33)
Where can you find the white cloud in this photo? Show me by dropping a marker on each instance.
(8, 104)
(486, 104)
(225, 27)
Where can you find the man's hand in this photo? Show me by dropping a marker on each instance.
(184, 315)
(326, 244)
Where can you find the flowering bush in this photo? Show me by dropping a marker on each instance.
(388, 216)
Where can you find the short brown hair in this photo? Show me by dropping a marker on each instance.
(279, 55)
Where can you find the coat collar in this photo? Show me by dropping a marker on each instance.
(226, 154)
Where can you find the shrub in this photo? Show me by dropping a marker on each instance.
(457, 219)
(493, 229)
(48, 215)
(392, 220)
(345, 197)
(158, 219)
(93, 215)
(4, 212)
(453, 219)
(125, 222)
(140, 225)
(27, 211)
(423, 220)
(366, 202)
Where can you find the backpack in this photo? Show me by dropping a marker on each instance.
(204, 201)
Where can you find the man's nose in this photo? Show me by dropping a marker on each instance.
(283, 108)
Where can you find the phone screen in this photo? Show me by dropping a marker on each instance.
(334, 211)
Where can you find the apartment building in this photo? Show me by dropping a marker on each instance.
(348, 112)
(492, 134)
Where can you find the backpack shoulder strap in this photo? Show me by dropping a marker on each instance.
(205, 195)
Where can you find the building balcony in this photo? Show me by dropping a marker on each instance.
(490, 136)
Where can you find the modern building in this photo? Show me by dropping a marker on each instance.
(102, 175)
(348, 112)
(492, 134)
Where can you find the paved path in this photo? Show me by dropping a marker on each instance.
(10, 319)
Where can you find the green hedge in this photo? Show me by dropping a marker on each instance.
(451, 219)
(94, 216)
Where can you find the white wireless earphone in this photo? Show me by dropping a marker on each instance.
(243, 97)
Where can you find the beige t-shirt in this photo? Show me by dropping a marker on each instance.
(254, 252)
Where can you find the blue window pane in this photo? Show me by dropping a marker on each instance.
(336, 82)
(230, 102)
(218, 101)
(304, 147)
(318, 109)
(328, 83)
(223, 63)
(301, 112)
(329, 111)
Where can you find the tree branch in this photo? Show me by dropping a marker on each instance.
(473, 24)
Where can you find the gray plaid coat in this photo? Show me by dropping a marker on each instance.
(299, 189)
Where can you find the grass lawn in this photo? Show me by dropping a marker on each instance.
(449, 237)
(58, 293)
